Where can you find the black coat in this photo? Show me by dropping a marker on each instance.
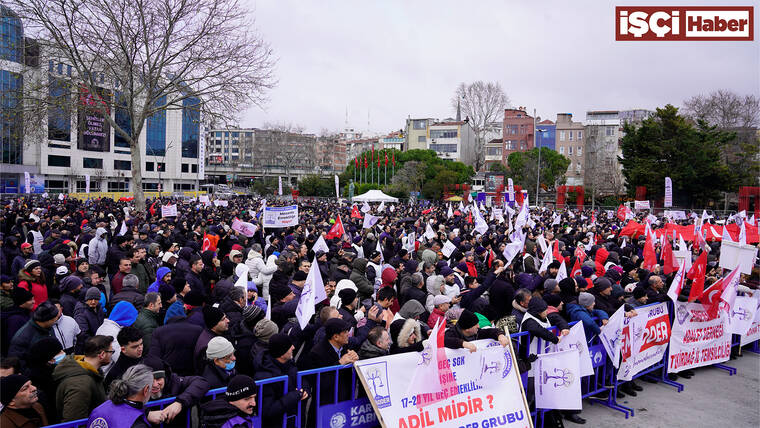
(233, 310)
(217, 377)
(27, 336)
(454, 337)
(88, 320)
(501, 294)
(69, 304)
(175, 343)
(275, 401)
(324, 355)
(11, 321)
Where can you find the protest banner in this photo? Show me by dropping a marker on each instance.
(753, 333)
(448, 248)
(697, 339)
(645, 340)
(168, 210)
(281, 216)
(675, 214)
(487, 391)
(668, 193)
(576, 340)
(244, 228)
(743, 313)
(557, 381)
(734, 254)
(220, 203)
(641, 205)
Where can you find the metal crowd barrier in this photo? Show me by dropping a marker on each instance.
(318, 409)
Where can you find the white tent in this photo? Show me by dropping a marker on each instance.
(374, 196)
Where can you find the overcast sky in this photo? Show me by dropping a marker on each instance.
(396, 59)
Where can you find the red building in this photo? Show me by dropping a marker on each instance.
(518, 132)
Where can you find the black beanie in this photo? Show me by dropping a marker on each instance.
(10, 386)
(299, 276)
(44, 349)
(279, 344)
(467, 320)
(240, 386)
(552, 299)
(193, 298)
(46, 311)
(212, 316)
(536, 305)
(639, 292)
(347, 296)
(21, 296)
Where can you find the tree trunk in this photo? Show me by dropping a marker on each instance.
(137, 176)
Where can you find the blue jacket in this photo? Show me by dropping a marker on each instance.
(577, 312)
(160, 274)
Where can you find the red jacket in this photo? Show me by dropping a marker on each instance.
(35, 286)
(435, 316)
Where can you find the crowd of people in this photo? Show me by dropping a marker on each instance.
(105, 308)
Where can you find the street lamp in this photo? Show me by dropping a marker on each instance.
(538, 167)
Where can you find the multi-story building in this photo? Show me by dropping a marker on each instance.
(518, 132)
(239, 155)
(570, 144)
(493, 144)
(453, 141)
(73, 140)
(604, 131)
(546, 134)
(330, 155)
(417, 131)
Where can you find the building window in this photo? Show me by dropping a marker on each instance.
(562, 135)
(185, 167)
(151, 187)
(562, 150)
(509, 145)
(61, 186)
(609, 131)
(93, 163)
(55, 160)
(11, 93)
(493, 151)
(82, 185)
(579, 151)
(156, 131)
(577, 167)
(194, 168)
(421, 139)
(570, 150)
(149, 166)
(191, 127)
(118, 186)
(161, 167)
(511, 129)
(179, 187)
(570, 136)
(121, 117)
(522, 145)
(580, 135)
(11, 38)
(419, 124)
(59, 110)
(123, 165)
(444, 148)
(443, 133)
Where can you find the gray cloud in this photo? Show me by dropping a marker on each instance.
(401, 58)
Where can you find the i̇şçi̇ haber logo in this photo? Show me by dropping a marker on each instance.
(684, 23)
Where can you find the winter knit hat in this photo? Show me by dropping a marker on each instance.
(536, 305)
(212, 316)
(467, 320)
(31, 264)
(21, 296)
(252, 314)
(279, 344)
(166, 291)
(264, 330)
(46, 311)
(299, 276)
(240, 386)
(441, 299)
(586, 299)
(639, 292)
(347, 296)
(10, 386)
(92, 294)
(219, 347)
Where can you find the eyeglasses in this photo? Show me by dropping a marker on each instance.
(109, 352)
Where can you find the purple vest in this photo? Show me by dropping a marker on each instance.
(110, 415)
(239, 421)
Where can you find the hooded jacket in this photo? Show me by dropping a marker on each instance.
(98, 248)
(36, 286)
(122, 315)
(359, 278)
(160, 274)
(88, 320)
(80, 388)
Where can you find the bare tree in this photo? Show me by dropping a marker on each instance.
(725, 109)
(482, 103)
(288, 147)
(155, 54)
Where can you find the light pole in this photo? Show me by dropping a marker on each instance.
(538, 166)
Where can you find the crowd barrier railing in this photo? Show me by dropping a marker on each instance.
(316, 411)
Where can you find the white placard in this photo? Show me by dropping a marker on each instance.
(641, 205)
(733, 254)
(281, 216)
(168, 210)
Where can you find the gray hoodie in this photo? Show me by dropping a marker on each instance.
(98, 247)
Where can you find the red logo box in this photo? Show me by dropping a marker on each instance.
(689, 23)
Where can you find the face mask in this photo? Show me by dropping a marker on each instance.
(58, 358)
(229, 366)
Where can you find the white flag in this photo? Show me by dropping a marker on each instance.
(548, 258)
(123, 229)
(429, 232)
(450, 213)
(320, 245)
(742, 314)
(577, 340)
(369, 221)
(306, 304)
(392, 208)
(87, 183)
(541, 241)
(269, 308)
(510, 190)
(511, 250)
(279, 187)
(480, 223)
(365, 207)
(742, 234)
(612, 334)
(448, 248)
(381, 208)
(677, 285)
(558, 381)
(562, 272)
(337, 187)
(242, 270)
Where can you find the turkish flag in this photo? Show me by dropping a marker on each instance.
(601, 257)
(580, 253)
(386, 159)
(576, 268)
(668, 260)
(621, 211)
(355, 213)
(697, 275)
(556, 254)
(337, 230)
(153, 208)
(712, 297)
(394, 158)
(650, 257)
(427, 211)
(209, 242)
(365, 162)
